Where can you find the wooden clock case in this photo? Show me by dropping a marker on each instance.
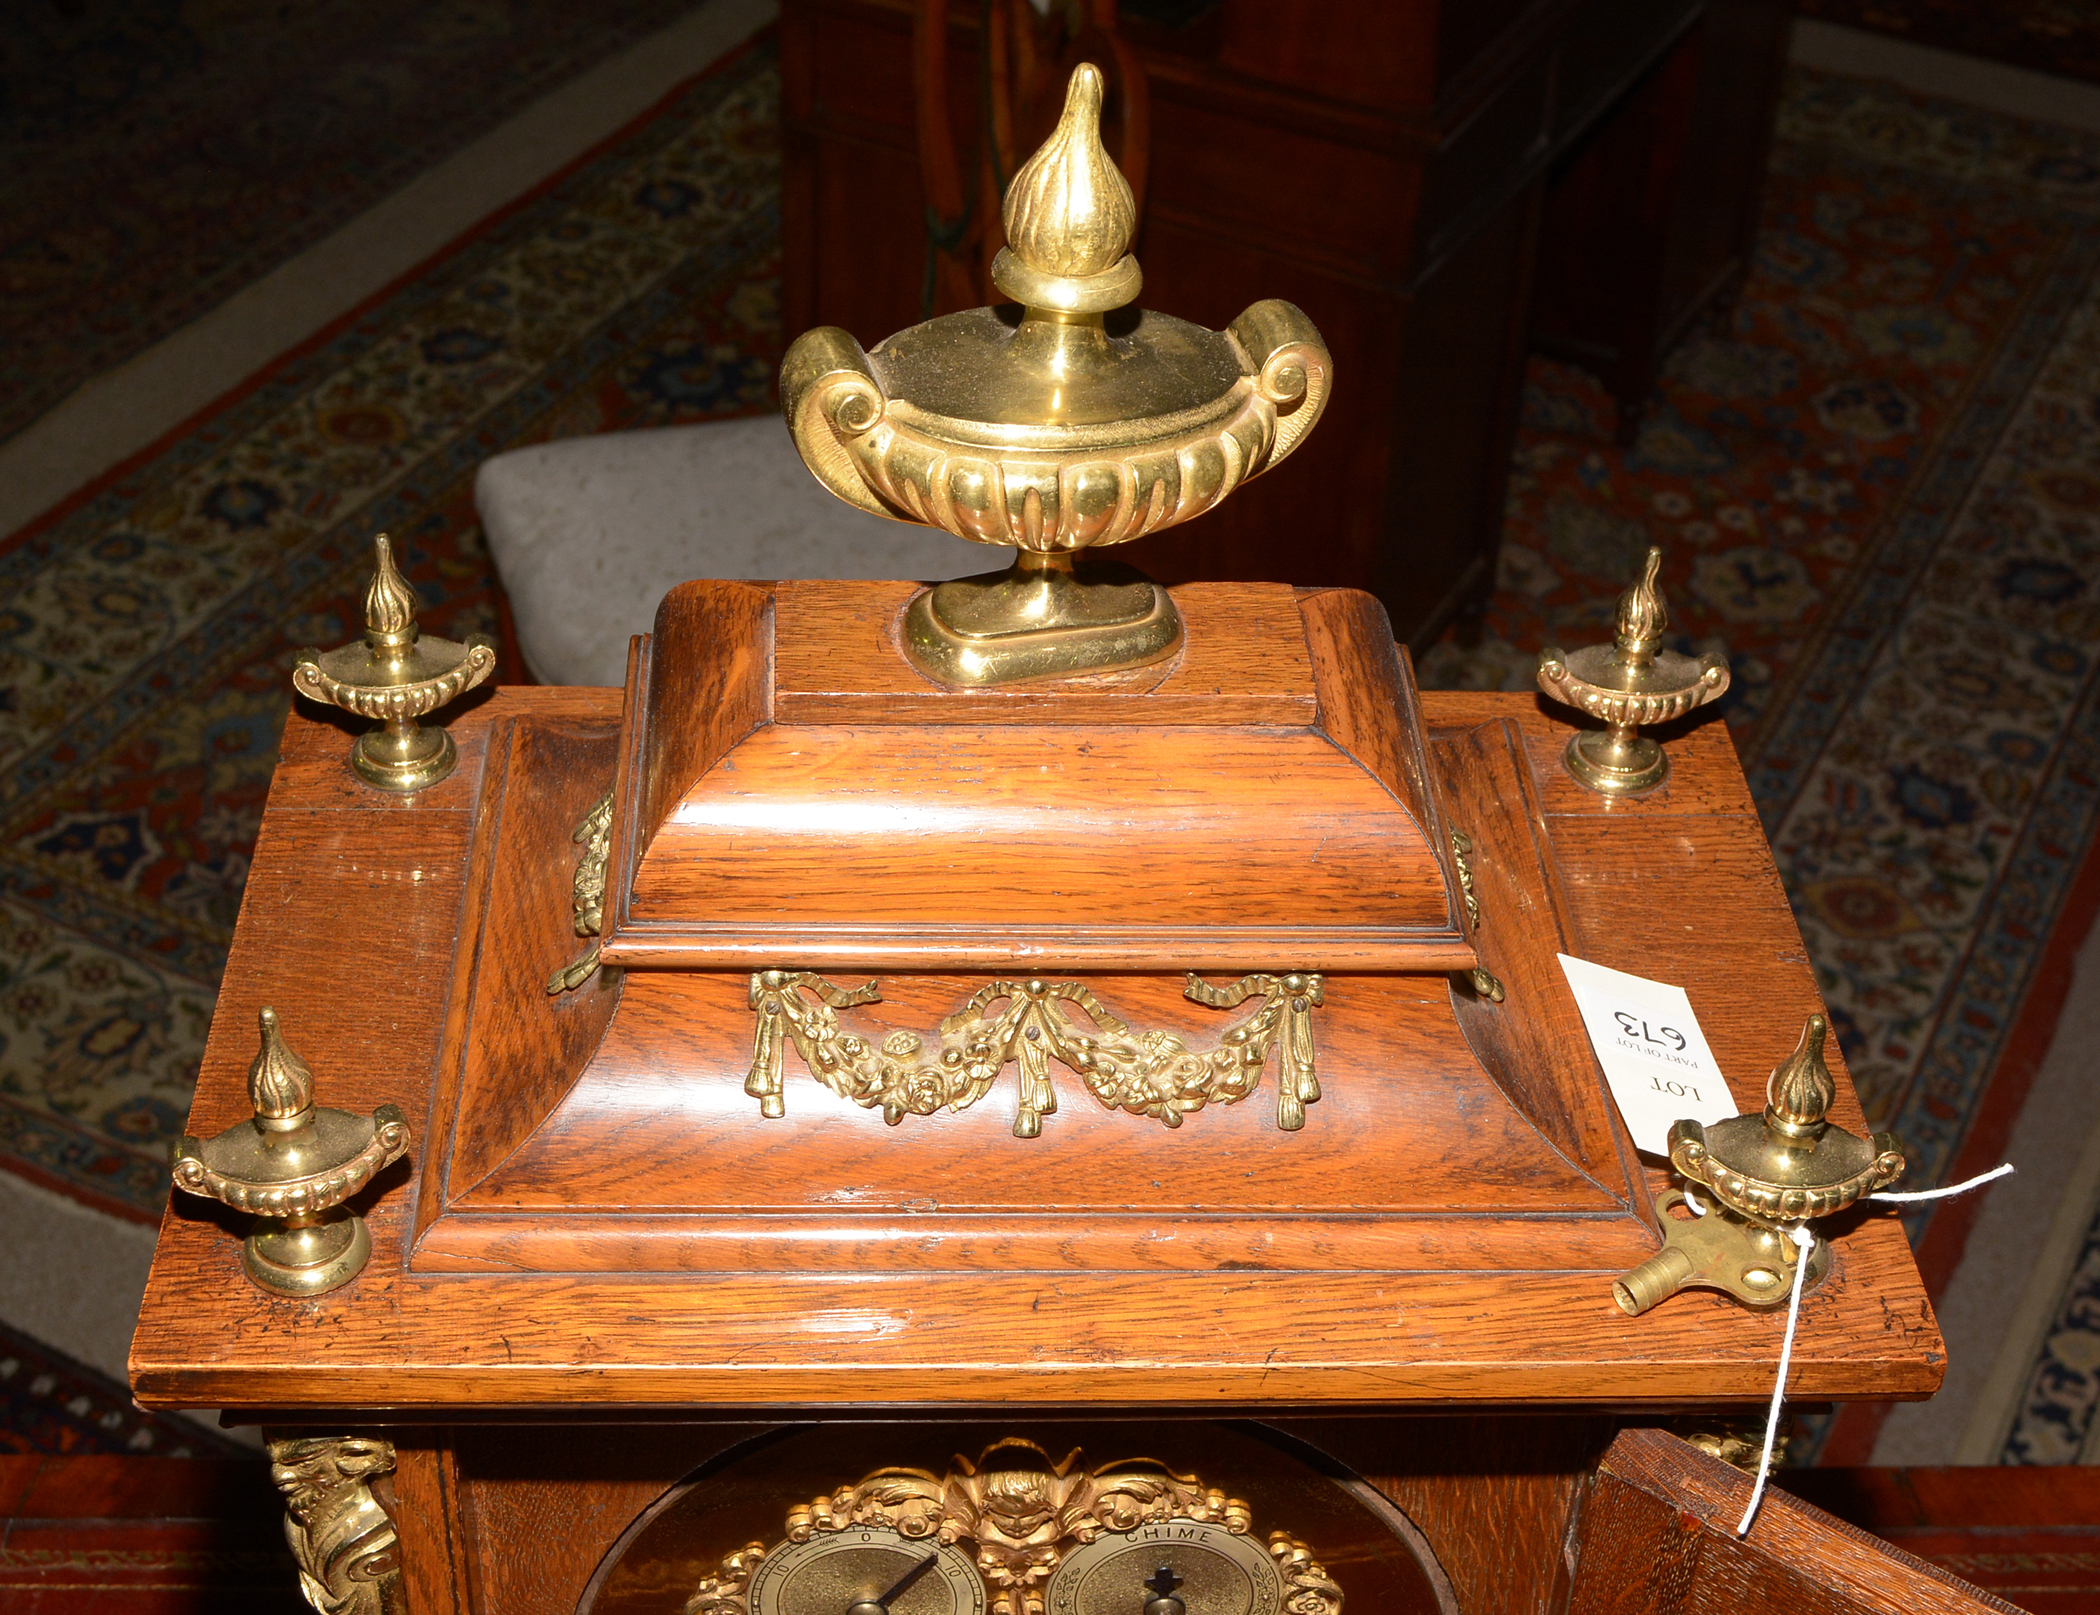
(603, 1264)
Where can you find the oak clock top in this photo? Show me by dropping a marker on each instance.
(1039, 989)
(702, 1184)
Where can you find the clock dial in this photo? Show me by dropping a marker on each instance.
(1170, 1567)
(866, 1570)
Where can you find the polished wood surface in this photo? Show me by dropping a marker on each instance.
(1256, 804)
(629, 1233)
(118, 1534)
(1657, 1535)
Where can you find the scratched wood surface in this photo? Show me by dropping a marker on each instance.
(1657, 1535)
(341, 868)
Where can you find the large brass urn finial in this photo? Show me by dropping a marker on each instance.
(1055, 426)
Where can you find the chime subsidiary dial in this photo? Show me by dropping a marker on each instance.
(867, 1570)
(1174, 1567)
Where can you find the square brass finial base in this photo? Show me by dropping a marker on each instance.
(1037, 620)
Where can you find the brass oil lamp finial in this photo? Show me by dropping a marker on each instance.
(1062, 422)
(293, 1165)
(396, 674)
(1630, 682)
(1790, 1164)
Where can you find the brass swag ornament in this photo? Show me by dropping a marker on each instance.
(593, 833)
(294, 1165)
(1054, 427)
(1790, 1164)
(1152, 1074)
(1041, 1539)
(396, 674)
(1627, 683)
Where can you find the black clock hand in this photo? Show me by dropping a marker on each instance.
(882, 1602)
(1161, 1586)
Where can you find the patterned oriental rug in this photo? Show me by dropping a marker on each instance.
(51, 1404)
(147, 628)
(1876, 487)
(158, 155)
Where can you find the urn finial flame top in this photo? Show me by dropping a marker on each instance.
(1069, 216)
(390, 606)
(1799, 1092)
(1069, 211)
(280, 1084)
(1642, 616)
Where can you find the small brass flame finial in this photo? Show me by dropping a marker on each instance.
(1051, 428)
(1790, 1164)
(280, 1084)
(293, 1165)
(1627, 683)
(390, 605)
(396, 674)
(1069, 216)
(1642, 616)
(1798, 1096)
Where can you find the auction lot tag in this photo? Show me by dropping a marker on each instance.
(1653, 1053)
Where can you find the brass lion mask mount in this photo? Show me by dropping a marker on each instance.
(1056, 426)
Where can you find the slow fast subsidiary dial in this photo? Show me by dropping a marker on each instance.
(866, 1570)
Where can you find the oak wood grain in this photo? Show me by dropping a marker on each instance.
(1533, 1043)
(1211, 815)
(527, 1046)
(333, 865)
(837, 660)
(696, 685)
(1657, 1536)
(1494, 1496)
(1371, 1183)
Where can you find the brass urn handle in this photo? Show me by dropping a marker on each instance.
(1628, 683)
(396, 674)
(1789, 1164)
(293, 1165)
(1051, 426)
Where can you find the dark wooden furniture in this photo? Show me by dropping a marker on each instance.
(110, 1535)
(636, 1231)
(1408, 174)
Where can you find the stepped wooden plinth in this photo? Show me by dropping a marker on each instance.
(597, 1210)
(599, 1225)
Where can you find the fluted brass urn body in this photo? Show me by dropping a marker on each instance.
(1057, 424)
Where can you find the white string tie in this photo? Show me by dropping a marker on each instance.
(1799, 1233)
(1805, 1241)
(1977, 1182)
